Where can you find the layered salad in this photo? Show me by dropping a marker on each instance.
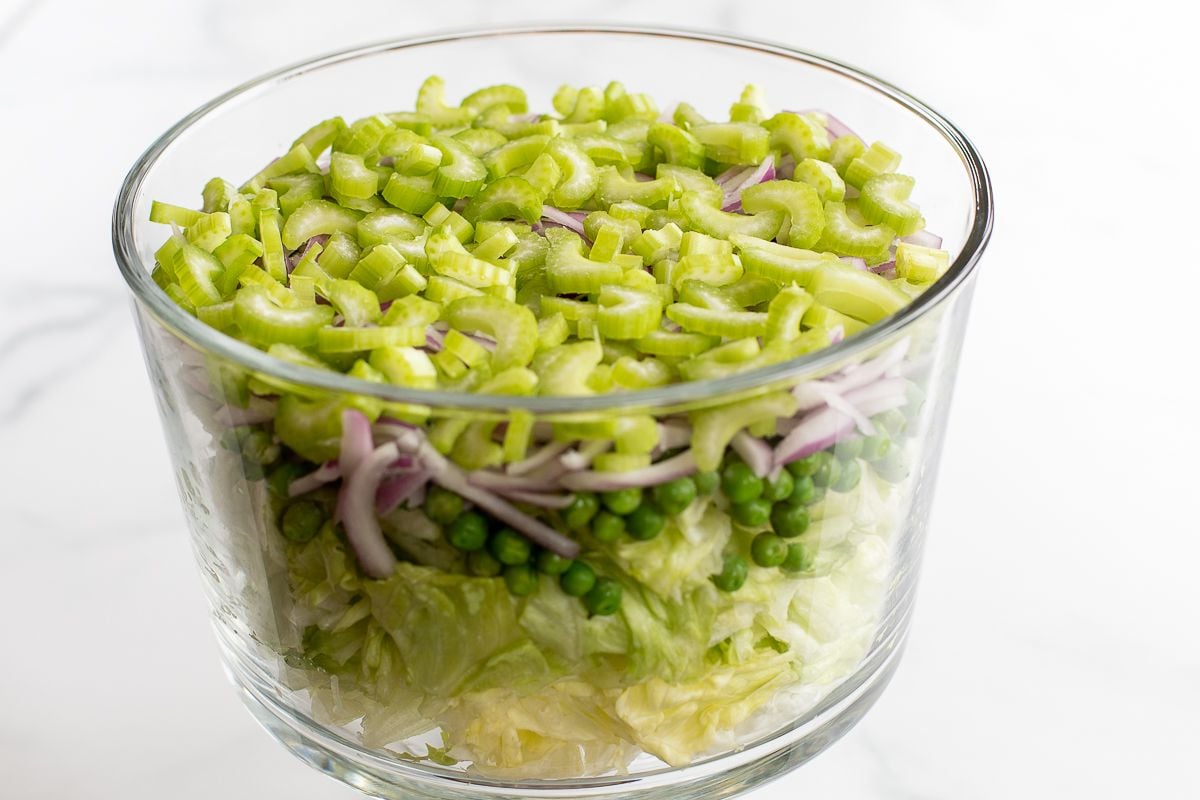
(558, 595)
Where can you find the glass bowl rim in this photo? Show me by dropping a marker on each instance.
(137, 275)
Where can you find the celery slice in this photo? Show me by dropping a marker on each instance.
(785, 313)
(480, 140)
(569, 271)
(844, 150)
(494, 247)
(319, 137)
(412, 193)
(263, 322)
(884, 201)
(353, 340)
(580, 176)
(732, 324)
(613, 188)
(431, 102)
(799, 136)
(711, 268)
(507, 158)
(855, 292)
(412, 311)
(513, 327)
(722, 360)
(564, 370)
(799, 201)
(506, 197)
(340, 254)
(723, 224)
(597, 220)
(734, 142)
(273, 257)
(655, 246)
(647, 373)
(350, 176)
(621, 462)
(405, 366)
(167, 214)
(823, 177)
(844, 237)
(675, 343)
(713, 429)
(687, 117)
(628, 313)
(461, 174)
(677, 145)
(690, 180)
(777, 262)
(357, 304)
(450, 259)
(318, 217)
(389, 226)
(878, 159)
(607, 244)
(517, 435)
(920, 264)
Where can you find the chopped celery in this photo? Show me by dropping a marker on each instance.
(723, 224)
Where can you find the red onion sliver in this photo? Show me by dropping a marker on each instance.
(786, 167)
(571, 221)
(558, 501)
(504, 483)
(257, 410)
(326, 473)
(540, 458)
(674, 467)
(755, 452)
(356, 499)
(854, 261)
(356, 440)
(923, 238)
(394, 491)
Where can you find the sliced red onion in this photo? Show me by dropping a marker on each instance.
(357, 441)
(835, 126)
(326, 473)
(357, 503)
(505, 483)
(827, 426)
(394, 491)
(673, 435)
(257, 410)
(854, 261)
(786, 167)
(583, 457)
(887, 269)
(642, 177)
(434, 340)
(540, 458)
(755, 452)
(923, 238)
(300, 252)
(557, 501)
(836, 334)
(733, 175)
(869, 372)
(765, 171)
(674, 467)
(570, 220)
(840, 403)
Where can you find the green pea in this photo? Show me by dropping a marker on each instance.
(608, 527)
(483, 564)
(301, 521)
(259, 448)
(789, 520)
(674, 496)
(798, 558)
(752, 513)
(851, 473)
(803, 492)
(603, 598)
(818, 495)
(849, 449)
(805, 467)
(580, 512)
(780, 487)
(520, 579)
(740, 483)
(733, 574)
(552, 563)
(893, 421)
(645, 522)
(578, 580)
(768, 550)
(510, 547)
(469, 532)
(622, 501)
(876, 447)
(282, 476)
(706, 482)
(442, 505)
(827, 471)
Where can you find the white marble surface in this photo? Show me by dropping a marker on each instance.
(1055, 652)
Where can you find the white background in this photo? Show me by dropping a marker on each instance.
(1056, 651)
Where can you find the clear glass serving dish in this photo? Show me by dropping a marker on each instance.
(438, 683)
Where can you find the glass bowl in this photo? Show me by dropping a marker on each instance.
(439, 683)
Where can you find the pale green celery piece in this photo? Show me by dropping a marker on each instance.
(276, 291)
(690, 180)
(405, 366)
(614, 350)
(543, 174)
(722, 360)
(413, 251)
(613, 188)
(631, 373)
(820, 317)
(786, 312)
(449, 365)
(419, 159)
(844, 150)
(687, 117)
(675, 343)
(218, 193)
(507, 157)
(235, 254)
(620, 105)
(431, 101)
(823, 177)
(798, 136)
(552, 331)
(777, 262)
(365, 372)
(630, 211)
(654, 246)
(351, 177)
(404, 282)
(728, 324)
(217, 315)
(621, 462)
(501, 120)
(298, 159)
(469, 351)
(734, 142)
(777, 350)
(264, 200)
(500, 94)
(489, 228)
(799, 201)
(855, 292)
(445, 290)
(878, 159)
(587, 429)
(167, 214)
(304, 287)
(273, 255)
(196, 270)
(607, 243)
(263, 322)
(388, 226)
(354, 340)
(628, 313)
(633, 131)
(513, 327)
(377, 266)
(242, 216)
(517, 435)
(421, 124)
(635, 277)
(607, 150)
(209, 231)
(582, 128)
(496, 246)
(664, 268)
(564, 99)
(412, 311)
(506, 197)
(750, 291)
(588, 106)
(844, 237)
(296, 190)
(884, 201)
(475, 448)
(569, 271)
(445, 432)
(438, 215)
(920, 264)
(319, 137)
(450, 259)
(177, 296)
(461, 174)
(712, 268)
(724, 224)
(340, 254)
(365, 206)
(529, 256)
(695, 243)
(672, 215)
(573, 311)
(750, 107)
(580, 176)
(481, 140)
(713, 429)
(564, 370)
(706, 295)
(318, 217)
(412, 193)
(597, 220)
